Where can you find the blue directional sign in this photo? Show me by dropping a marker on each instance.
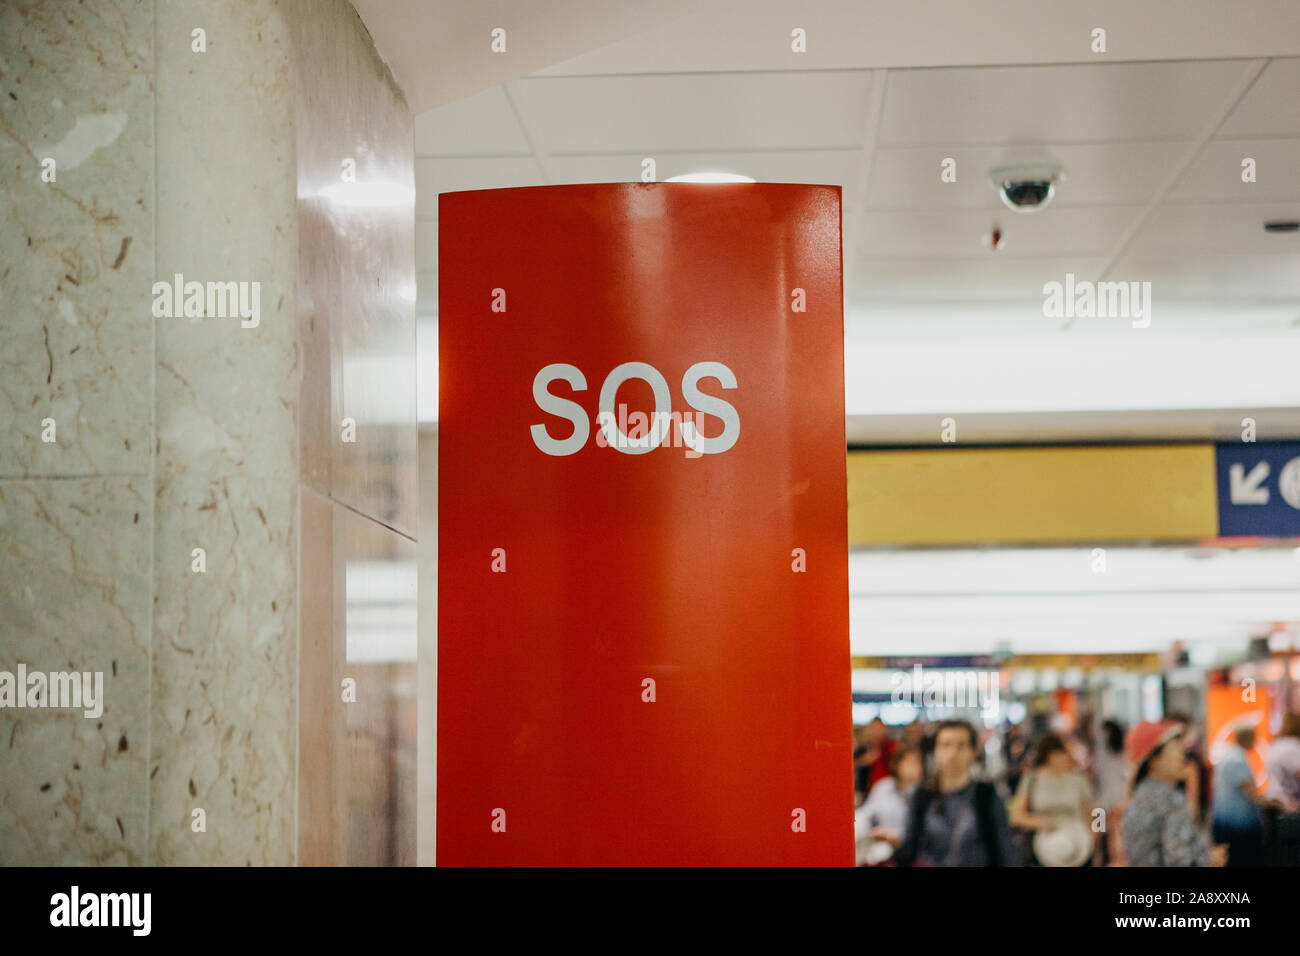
(1259, 488)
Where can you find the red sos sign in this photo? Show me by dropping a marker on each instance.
(660, 422)
(642, 660)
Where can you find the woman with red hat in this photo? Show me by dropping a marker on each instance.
(1158, 828)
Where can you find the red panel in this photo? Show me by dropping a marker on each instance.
(669, 564)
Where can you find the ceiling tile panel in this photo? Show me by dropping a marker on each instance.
(1056, 104)
(1216, 174)
(1217, 229)
(716, 111)
(947, 233)
(1271, 107)
(482, 125)
(1213, 277)
(938, 279)
(1100, 174)
(433, 176)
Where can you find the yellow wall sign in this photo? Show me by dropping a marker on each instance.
(1053, 495)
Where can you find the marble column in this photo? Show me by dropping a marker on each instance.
(178, 508)
(226, 458)
(76, 422)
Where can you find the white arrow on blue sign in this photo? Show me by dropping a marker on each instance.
(1259, 488)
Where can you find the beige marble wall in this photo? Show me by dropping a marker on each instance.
(226, 458)
(176, 433)
(74, 596)
(76, 513)
(74, 251)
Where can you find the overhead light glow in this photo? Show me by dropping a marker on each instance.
(369, 194)
(710, 178)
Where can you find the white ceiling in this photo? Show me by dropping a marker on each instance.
(440, 50)
(1049, 600)
(1152, 192)
(1151, 152)
(1151, 139)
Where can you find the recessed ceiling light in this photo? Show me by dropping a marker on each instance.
(710, 178)
(1282, 225)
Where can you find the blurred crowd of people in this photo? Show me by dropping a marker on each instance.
(946, 794)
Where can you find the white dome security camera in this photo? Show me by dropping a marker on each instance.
(1027, 187)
